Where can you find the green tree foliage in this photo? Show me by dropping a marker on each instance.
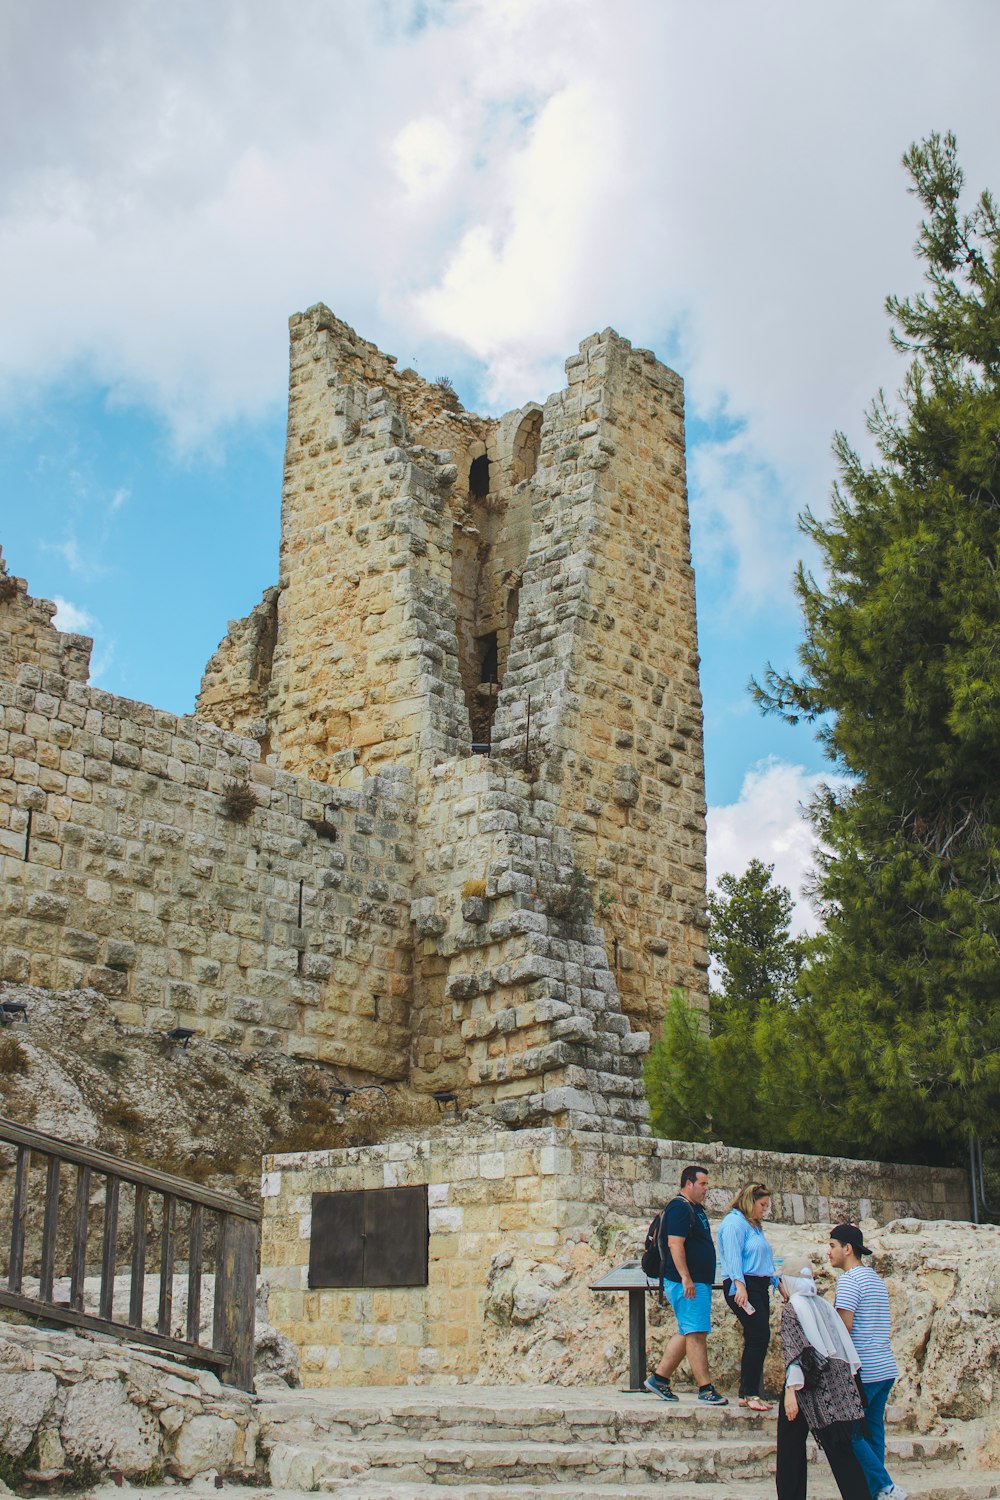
(749, 942)
(896, 1039)
(716, 1082)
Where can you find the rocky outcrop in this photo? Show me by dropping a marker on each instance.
(544, 1325)
(75, 1407)
(201, 1109)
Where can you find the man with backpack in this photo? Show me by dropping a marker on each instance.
(687, 1271)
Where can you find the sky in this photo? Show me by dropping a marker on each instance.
(475, 185)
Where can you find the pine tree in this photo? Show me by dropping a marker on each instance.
(897, 1036)
(749, 942)
(718, 1082)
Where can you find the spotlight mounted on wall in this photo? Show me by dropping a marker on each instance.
(181, 1034)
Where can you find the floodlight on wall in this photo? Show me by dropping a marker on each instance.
(181, 1034)
(343, 1091)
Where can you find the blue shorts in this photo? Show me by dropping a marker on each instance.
(694, 1314)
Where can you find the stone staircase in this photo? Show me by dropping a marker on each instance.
(543, 1443)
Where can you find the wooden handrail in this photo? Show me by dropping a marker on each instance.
(116, 1166)
(231, 1348)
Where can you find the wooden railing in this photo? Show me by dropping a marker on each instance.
(182, 1217)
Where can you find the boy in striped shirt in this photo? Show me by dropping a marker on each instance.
(863, 1303)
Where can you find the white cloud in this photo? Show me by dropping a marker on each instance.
(721, 182)
(71, 618)
(426, 153)
(768, 822)
(511, 292)
(69, 551)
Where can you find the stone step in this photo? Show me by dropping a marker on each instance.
(553, 1423)
(924, 1484)
(306, 1464)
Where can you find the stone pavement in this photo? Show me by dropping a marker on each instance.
(474, 1442)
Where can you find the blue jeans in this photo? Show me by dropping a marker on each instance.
(870, 1450)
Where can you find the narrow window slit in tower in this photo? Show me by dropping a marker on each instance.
(484, 706)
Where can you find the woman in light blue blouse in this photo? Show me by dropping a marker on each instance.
(748, 1272)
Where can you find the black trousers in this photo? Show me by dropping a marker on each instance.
(790, 1473)
(756, 1330)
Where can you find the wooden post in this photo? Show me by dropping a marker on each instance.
(636, 1339)
(50, 1224)
(81, 1215)
(20, 1213)
(195, 1255)
(166, 1264)
(235, 1297)
(138, 1256)
(110, 1246)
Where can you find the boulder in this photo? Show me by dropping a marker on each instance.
(100, 1425)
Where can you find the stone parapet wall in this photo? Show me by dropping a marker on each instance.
(532, 1195)
(122, 871)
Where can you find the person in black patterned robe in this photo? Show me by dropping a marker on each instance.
(820, 1396)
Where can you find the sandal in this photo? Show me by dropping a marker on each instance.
(755, 1403)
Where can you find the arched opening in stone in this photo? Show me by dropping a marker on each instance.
(527, 447)
(479, 477)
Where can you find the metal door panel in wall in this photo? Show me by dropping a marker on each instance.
(336, 1244)
(376, 1237)
(396, 1237)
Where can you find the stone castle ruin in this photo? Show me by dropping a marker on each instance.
(466, 727)
(436, 824)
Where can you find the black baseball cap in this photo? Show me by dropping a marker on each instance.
(850, 1234)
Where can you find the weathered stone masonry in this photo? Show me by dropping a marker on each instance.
(121, 871)
(440, 570)
(441, 574)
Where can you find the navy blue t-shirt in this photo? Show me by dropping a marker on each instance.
(689, 1222)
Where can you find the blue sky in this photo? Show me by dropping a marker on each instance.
(476, 185)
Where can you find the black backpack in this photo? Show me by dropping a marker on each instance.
(651, 1259)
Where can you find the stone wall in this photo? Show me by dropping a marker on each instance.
(513, 993)
(291, 927)
(28, 636)
(606, 650)
(532, 1194)
(238, 677)
(441, 573)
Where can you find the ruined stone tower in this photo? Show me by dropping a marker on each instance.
(504, 609)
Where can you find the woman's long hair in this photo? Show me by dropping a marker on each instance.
(747, 1197)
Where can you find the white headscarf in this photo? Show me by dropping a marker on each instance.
(821, 1324)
